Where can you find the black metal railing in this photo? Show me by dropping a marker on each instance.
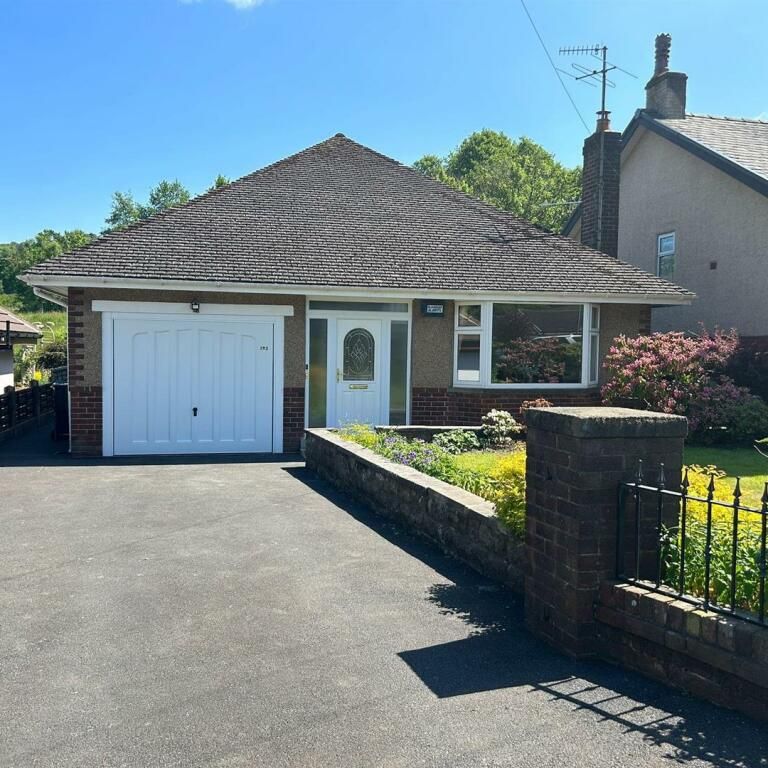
(702, 549)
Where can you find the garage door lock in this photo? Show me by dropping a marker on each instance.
(194, 411)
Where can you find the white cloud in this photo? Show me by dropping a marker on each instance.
(243, 5)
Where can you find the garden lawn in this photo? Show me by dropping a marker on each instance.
(483, 462)
(745, 463)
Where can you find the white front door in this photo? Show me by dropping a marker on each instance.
(192, 385)
(358, 371)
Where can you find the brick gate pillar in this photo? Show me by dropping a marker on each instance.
(576, 459)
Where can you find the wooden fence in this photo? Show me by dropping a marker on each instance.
(22, 408)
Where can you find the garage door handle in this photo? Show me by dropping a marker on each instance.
(194, 411)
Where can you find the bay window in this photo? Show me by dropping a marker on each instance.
(506, 344)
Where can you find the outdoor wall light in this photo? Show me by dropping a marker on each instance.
(195, 306)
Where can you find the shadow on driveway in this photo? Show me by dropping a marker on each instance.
(500, 653)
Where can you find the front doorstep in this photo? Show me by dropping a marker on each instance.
(460, 523)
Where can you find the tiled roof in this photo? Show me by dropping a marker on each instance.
(744, 142)
(20, 329)
(339, 214)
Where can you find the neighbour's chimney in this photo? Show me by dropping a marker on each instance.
(600, 188)
(665, 92)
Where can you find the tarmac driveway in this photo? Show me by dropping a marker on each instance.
(242, 614)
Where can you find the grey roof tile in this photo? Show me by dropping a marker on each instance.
(743, 141)
(20, 329)
(339, 214)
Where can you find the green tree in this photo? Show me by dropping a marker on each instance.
(126, 211)
(16, 258)
(219, 181)
(166, 194)
(432, 165)
(517, 176)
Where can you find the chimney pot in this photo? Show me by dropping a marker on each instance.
(663, 44)
(665, 94)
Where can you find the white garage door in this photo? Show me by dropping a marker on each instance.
(193, 385)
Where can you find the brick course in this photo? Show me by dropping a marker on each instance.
(466, 407)
(717, 657)
(85, 401)
(293, 418)
(85, 404)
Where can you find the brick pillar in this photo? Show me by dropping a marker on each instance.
(576, 459)
(293, 418)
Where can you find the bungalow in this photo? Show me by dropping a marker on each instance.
(13, 330)
(335, 285)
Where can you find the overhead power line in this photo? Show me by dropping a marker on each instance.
(554, 68)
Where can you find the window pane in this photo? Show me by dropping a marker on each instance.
(594, 358)
(666, 244)
(359, 351)
(595, 313)
(536, 344)
(469, 315)
(359, 306)
(666, 266)
(318, 373)
(468, 359)
(398, 372)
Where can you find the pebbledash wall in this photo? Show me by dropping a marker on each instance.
(434, 399)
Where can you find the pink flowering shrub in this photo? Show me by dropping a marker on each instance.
(724, 411)
(675, 373)
(665, 371)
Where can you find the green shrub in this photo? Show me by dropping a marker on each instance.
(509, 475)
(499, 428)
(748, 421)
(457, 441)
(52, 354)
(725, 413)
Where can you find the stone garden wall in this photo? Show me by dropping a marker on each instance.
(460, 523)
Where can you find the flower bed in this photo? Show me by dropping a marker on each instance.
(748, 549)
(495, 475)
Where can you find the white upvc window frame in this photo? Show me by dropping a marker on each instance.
(667, 254)
(590, 336)
(332, 316)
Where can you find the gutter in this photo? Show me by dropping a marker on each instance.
(52, 282)
(48, 295)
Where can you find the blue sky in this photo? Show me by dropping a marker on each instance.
(105, 95)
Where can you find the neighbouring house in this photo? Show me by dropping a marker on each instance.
(13, 330)
(686, 197)
(336, 285)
